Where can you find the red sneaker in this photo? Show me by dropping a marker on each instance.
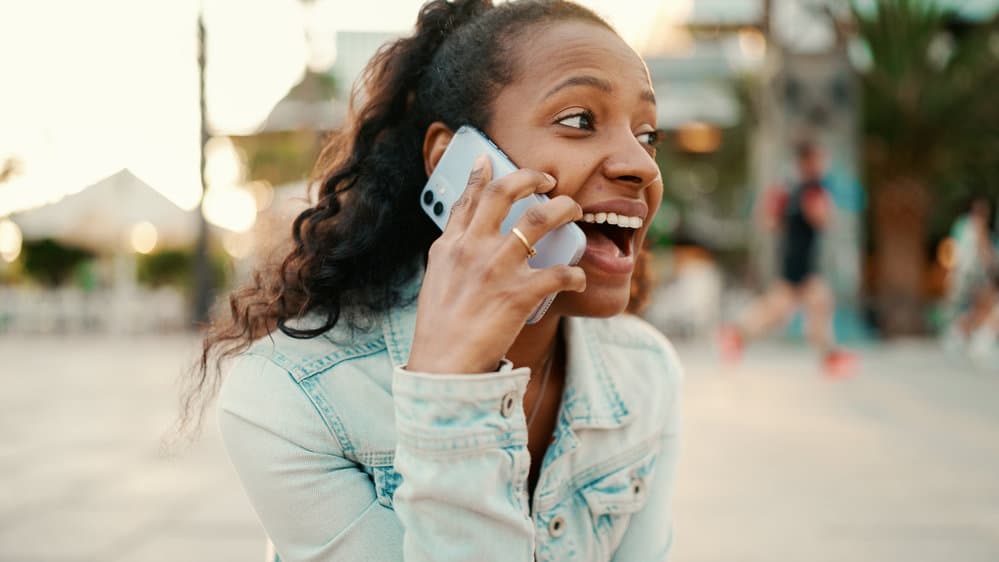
(839, 364)
(730, 344)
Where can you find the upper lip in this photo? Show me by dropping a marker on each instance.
(626, 207)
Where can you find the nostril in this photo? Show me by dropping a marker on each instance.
(631, 179)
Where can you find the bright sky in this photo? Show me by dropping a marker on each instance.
(90, 87)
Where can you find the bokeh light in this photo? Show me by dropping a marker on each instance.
(143, 237)
(699, 137)
(230, 208)
(223, 162)
(238, 244)
(752, 43)
(10, 240)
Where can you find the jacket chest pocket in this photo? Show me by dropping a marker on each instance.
(386, 481)
(613, 498)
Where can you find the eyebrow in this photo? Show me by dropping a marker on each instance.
(598, 83)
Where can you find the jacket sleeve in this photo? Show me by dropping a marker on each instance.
(318, 506)
(462, 453)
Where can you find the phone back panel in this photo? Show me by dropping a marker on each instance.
(564, 245)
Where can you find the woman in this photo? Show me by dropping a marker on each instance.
(400, 408)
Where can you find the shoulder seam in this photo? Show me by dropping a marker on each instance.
(300, 371)
(327, 362)
(308, 397)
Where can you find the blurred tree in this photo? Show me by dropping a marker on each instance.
(174, 268)
(166, 267)
(51, 263)
(279, 157)
(930, 119)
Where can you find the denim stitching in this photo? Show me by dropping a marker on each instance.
(331, 418)
(327, 362)
(607, 384)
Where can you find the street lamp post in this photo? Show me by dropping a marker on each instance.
(202, 270)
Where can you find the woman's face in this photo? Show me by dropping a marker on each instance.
(582, 109)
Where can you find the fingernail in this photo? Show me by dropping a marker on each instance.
(480, 162)
(551, 178)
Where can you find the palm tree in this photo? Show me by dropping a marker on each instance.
(931, 115)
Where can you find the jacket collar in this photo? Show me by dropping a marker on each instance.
(590, 399)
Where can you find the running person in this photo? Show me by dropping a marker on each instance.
(801, 215)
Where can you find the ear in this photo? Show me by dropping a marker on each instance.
(434, 143)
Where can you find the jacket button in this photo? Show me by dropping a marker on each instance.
(508, 404)
(556, 526)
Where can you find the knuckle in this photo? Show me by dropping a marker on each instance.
(438, 249)
(536, 217)
(475, 179)
(496, 188)
(565, 276)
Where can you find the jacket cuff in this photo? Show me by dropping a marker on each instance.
(456, 413)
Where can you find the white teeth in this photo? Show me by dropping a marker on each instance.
(613, 218)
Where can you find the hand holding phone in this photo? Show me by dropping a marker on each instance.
(562, 246)
(478, 289)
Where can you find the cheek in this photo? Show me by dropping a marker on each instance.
(654, 199)
(571, 168)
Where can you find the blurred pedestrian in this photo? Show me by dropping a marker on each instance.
(972, 292)
(974, 259)
(982, 323)
(799, 215)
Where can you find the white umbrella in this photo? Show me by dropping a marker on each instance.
(102, 217)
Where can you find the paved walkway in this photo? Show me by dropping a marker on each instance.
(900, 464)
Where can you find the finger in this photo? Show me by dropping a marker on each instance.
(541, 219)
(464, 207)
(555, 279)
(498, 196)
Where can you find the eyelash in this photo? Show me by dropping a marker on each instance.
(654, 136)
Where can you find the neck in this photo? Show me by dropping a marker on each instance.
(535, 343)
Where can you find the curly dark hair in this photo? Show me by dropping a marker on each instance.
(366, 235)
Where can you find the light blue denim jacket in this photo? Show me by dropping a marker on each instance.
(346, 455)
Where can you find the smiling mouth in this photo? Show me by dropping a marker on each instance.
(609, 233)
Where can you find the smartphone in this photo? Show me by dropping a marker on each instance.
(563, 245)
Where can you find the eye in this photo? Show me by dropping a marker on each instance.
(651, 138)
(580, 120)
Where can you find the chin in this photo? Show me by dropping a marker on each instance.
(596, 301)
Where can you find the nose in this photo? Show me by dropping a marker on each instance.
(629, 163)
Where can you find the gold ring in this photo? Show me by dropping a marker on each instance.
(531, 252)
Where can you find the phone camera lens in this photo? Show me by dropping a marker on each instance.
(438, 208)
(428, 197)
